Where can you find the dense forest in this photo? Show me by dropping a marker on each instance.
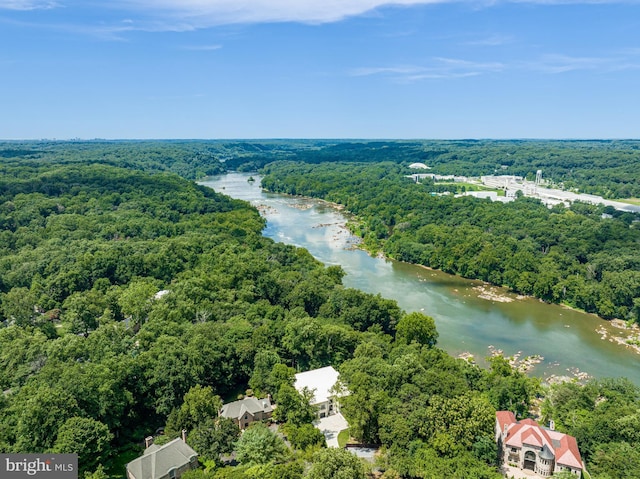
(609, 168)
(132, 299)
(570, 255)
(92, 359)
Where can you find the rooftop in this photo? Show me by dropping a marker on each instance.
(157, 461)
(236, 409)
(527, 431)
(320, 381)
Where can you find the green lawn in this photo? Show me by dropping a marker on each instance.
(631, 201)
(343, 438)
(472, 186)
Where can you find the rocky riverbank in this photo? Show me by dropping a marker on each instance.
(630, 338)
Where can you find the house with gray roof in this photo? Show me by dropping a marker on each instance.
(247, 410)
(169, 461)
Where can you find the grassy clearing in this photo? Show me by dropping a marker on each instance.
(343, 438)
(471, 186)
(631, 201)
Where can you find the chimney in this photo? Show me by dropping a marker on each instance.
(504, 429)
(552, 425)
(148, 441)
(184, 435)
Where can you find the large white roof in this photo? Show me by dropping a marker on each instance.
(320, 381)
(420, 166)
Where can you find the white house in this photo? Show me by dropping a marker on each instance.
(320, 381)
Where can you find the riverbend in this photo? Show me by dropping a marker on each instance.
(473, 318)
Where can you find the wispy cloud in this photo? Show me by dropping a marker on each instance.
(632, 51)
(217, 12)
(557, 63)
(458, 63)
(437, 68)
(437, 76)
(550, 64)
(202, 48)
(490, 41)
(115, 31)
(27, 4)
(367, 71)
(184, 15)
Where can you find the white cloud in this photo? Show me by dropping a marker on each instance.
(437, 76)
(490, 41)
(202, 48)
(27, 4)
(551, 64)
(181, 15)
(555, 63)
(219, 12)
(242, 11)
(458, 63)
(367, 71)
(438, 68)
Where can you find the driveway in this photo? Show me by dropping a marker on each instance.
(517, 473)
(330, 427)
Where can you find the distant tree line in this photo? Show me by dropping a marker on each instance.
(605, 167)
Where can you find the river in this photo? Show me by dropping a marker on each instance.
(567, 339)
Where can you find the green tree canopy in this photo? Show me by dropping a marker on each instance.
(417, 327)
(200, 405)
(335, 463)
(260, 445)
(88, 438)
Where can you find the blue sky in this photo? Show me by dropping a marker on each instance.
(319, 69)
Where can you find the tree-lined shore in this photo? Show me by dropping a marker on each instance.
(585, 256)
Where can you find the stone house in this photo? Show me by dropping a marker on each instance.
(527, 445)
(247, 410)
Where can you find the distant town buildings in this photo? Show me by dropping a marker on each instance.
(549, 196)
(511, 184)
(456, 179)
(492, 195)
(526, 445)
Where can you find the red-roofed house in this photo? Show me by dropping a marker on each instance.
(528, 445)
